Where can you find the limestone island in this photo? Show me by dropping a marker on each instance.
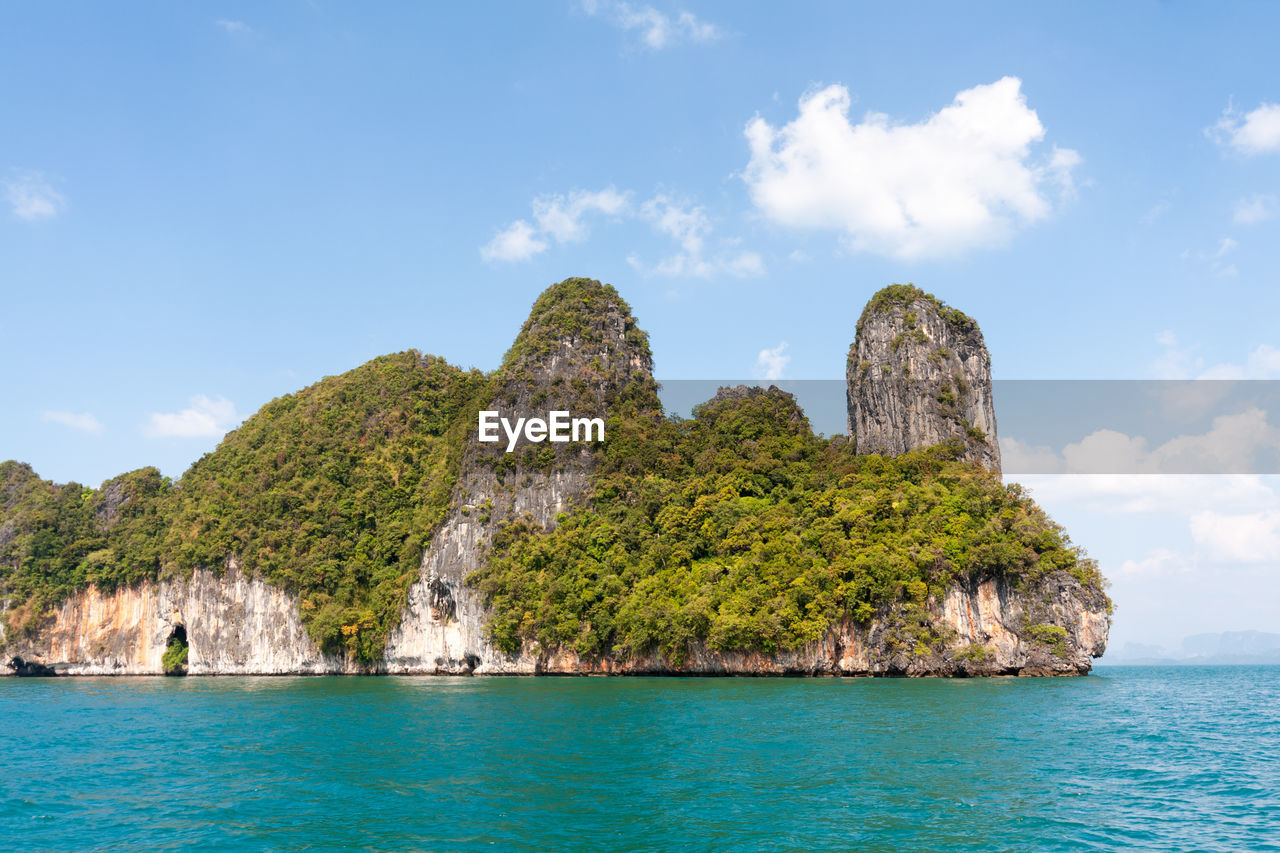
(359, 526)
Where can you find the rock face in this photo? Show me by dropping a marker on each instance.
(919, 374)
(235, 625)
(241, 626)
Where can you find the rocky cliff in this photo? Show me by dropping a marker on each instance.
(234, 625)
(919, 374)
(579, 351)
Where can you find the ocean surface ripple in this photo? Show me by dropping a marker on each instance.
(1145, 758)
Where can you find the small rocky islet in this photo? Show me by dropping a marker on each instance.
(359, 526)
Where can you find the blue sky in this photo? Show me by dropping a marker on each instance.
(203, 206)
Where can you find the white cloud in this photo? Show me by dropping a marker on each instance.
(1161, 562)
(1183, 362)
(962, 178)
(1107, 451)
(1263, 362)
(1181, 495)
(744, 265)
(204, 418)
(696, 30)
(1184, 553)
(1255, 209)
(31, 197)
(83, 421)
(516, 242)
(561, 216)
(557, 217)
(771, 363)
(1061, 164)
(689, 225)
(686, 224)
(656, 30)
(235, 28)
(1234, 444)
(1216, 258)
(1239, 538)
(1176, 361)
(1256, 132)
(1020, 457)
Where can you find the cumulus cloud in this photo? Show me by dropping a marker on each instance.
(517, 242)
(1161, 562)
(1184, 553)
(1157, 494)
(965, 177)
(655, 30)
(771, 363)
(1240, 538)
(1254, 132)
(82, 421)
(205, 418)
(555, 217)
(562, 216)
(1240, 443)
(559, 218)
(688, 225)
(31, 197)
(1178, 361)
(1255, 209)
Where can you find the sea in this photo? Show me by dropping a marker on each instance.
(1127, 758)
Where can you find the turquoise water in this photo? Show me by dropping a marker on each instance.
(1146, 758)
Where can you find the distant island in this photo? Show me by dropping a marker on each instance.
(360, 526)
(1227, 648)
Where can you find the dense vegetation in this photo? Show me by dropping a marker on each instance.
(330, 492)
(743, 530)
(904, 296)
(55, 539)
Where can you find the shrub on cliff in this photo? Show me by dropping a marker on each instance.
(174, 660)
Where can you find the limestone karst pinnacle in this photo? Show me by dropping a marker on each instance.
(919, 374)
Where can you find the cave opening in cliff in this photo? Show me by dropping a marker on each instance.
(175, 653)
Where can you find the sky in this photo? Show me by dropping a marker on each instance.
(205, 206)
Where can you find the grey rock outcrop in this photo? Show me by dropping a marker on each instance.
(918, 375)
(580, 351)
